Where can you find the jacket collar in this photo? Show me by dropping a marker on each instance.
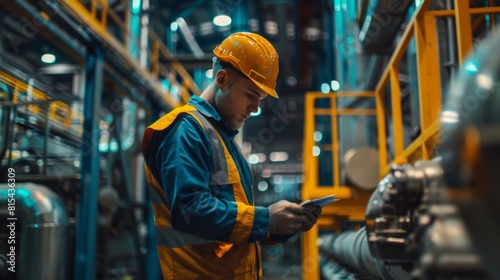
(206, 109)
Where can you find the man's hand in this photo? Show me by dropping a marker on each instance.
(286, 217)
(312, 214)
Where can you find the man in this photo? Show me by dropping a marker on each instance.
(200, 184)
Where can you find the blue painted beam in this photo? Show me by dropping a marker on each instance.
(153, 271)
(86, 221)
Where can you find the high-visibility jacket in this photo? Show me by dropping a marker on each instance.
(206, 231)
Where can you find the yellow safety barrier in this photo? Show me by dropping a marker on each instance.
(59, 112)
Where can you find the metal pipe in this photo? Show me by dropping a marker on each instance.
(128, 187)
(86, 226)
(452, 41)
(46, 136)
(43, 223)
(350, 249)
(382, 23)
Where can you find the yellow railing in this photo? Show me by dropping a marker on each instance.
(311, 163)
(421, 28)
(355, 209)
(59, 112)
(101, 20)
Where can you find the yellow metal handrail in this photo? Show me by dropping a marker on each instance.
(423, 29)
(59, 112)
(96, 17)
(355, 210)
(311, 163)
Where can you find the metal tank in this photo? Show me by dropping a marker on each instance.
(42, 233)
(361, 168)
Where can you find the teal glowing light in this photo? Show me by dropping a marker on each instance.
(471, 67)
(136, 5)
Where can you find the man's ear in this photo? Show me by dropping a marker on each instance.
(222, 78)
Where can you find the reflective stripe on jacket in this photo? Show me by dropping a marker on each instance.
(187, 256)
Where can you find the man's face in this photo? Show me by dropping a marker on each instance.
(237, 100)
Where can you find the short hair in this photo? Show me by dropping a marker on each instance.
(226, 65)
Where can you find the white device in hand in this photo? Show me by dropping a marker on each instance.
(322, 201)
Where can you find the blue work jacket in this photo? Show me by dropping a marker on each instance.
(201, 192)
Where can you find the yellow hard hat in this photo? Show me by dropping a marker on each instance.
(254, 56)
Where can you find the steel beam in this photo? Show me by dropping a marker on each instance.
(86, 222)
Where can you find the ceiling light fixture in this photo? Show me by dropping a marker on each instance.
(335, 85)
(325, 88)
(209, 74)
(48, 58)
(174, 26)
(222, 20)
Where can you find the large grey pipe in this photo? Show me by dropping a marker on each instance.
(350, 249)
(41, 232)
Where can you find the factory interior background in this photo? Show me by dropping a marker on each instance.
(393, 106)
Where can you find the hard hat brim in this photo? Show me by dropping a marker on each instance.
(265, 88)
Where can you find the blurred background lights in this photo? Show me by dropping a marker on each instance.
(262, 186)
(256, 158)
(48, 58)
(253, 159)
(335, 85)
(174, 26)
(325, 88)
(209, 74)
(266, 173)
(222, 20)
(471, 67)
(278, 188)
(278, 156)
(318, 136)
(316, 151)
(136, 4)
(449, 117)
(278, 179)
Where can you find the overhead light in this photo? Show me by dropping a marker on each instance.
(316, 151)
(174, 26)
(318, 136)
(449, 117)
(222, 20)
(262, 186)
(471, 67)
(271, 27)
(48, 58)
(136, 5)
(209, 74)
(335, 85)
(325, 88)
(256, 158)
(278, 156)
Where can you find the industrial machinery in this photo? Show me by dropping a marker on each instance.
(438, 219)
